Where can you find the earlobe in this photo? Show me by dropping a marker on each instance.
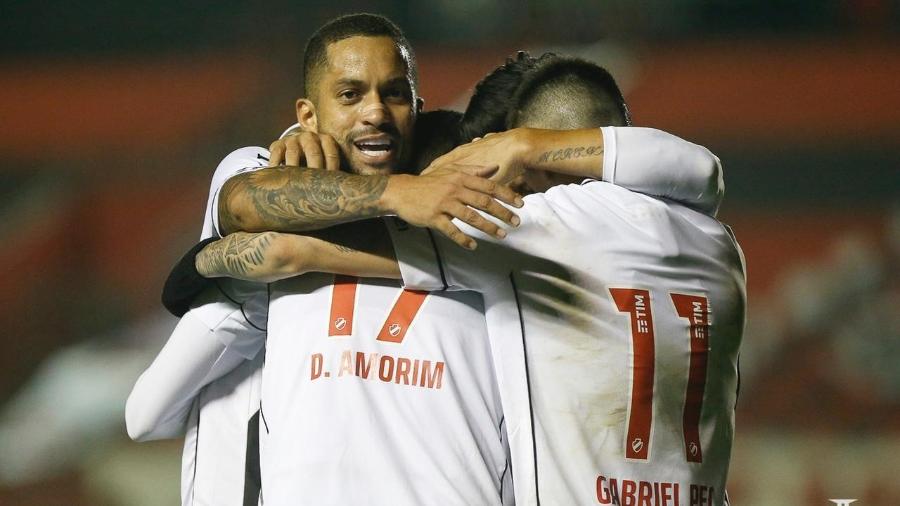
(306, 115)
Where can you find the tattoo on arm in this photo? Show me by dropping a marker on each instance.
(345, 249)
(569, 153)
(292, 199)
(235, 255)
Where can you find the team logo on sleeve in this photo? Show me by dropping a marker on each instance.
(394, 329)
(340, 323)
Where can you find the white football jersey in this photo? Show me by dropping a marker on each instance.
(436, 435)
(241, 160)
(204, 384)
(617, 319)
(220, 462)
(439, 438)
(376, 395)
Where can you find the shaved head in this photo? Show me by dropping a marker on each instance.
(568, 93)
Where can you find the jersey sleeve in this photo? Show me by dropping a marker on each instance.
(237, 162)
(238, 313)
(417, 255)
(657, 163)
(209, 341)
(184, 283)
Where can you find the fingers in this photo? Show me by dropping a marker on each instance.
(331, 151)
(495, 190)
(476, 220)
(276, 153)
(316, 151)
(312, 150)
(473, 169)
(485, 203)
(292, 150)
(446, 227)
(485, 171)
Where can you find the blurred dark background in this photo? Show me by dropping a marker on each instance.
(115, 114)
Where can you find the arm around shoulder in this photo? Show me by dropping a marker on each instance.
(296, 199)
(357, 249)
(195, 355)
(658, 163)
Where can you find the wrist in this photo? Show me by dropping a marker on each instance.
(534, 145)
(203, 264)
(287, 255)
(526, 146)
(391, 200)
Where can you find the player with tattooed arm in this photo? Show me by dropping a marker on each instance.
(344, 441)
(616, 318)
(370, 366)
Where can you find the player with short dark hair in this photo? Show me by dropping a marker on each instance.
(490, 101)
(565, 92)
(352, 437)
(617, 317)
(321, 479)
(315, 55)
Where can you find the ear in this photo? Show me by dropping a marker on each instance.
(306, 115)
(420, 104)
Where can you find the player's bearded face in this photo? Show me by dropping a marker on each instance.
(365, 101)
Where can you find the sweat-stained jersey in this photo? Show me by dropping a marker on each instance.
(616, 319)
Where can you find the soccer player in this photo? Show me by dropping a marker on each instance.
(221, 467)
(353, 452)
(615, 317)
(412, 373)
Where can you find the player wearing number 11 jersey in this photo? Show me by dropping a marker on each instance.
(625, 314)
(626, 322)
(373, 395)
(615, 318)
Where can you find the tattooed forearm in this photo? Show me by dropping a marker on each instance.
(569, 153)
(292, 199)
(237, 255)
